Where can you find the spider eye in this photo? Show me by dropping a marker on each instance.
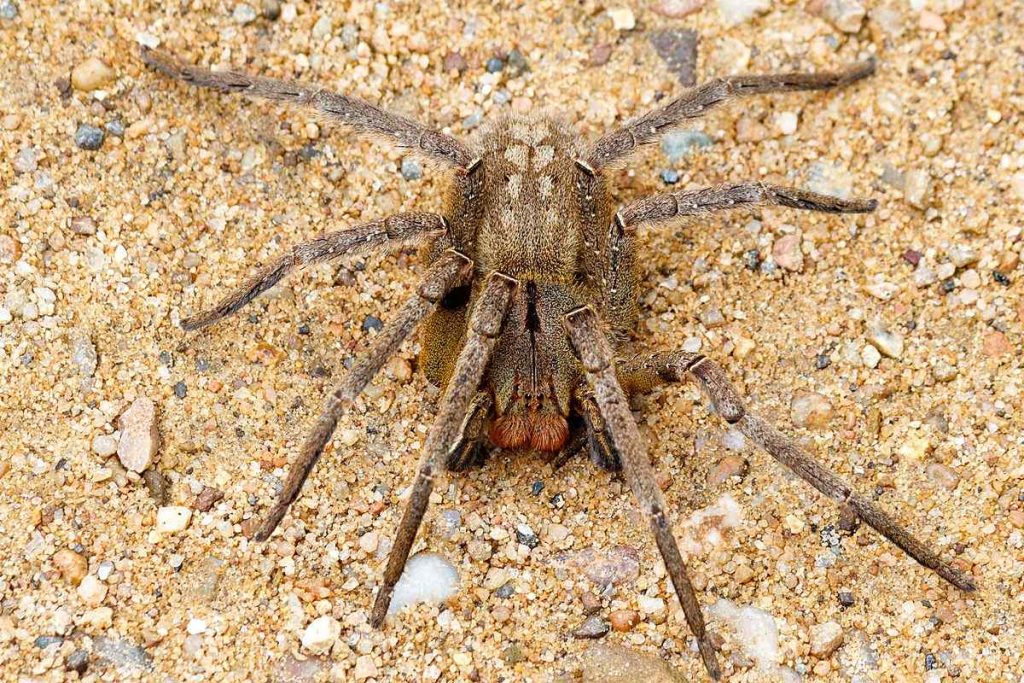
(456, 299)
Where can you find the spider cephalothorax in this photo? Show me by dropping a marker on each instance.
(528, 299)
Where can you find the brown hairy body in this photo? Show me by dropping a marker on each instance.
(528, 301)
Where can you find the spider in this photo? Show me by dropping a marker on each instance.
(529, 298)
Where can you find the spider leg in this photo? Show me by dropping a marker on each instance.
(350, 111)
(673, 367)
(449, 271)
(596, 356)
(392, 231)
(591, 438)
(695, 102)
(470, 449)
(662, 207)
(485, 326)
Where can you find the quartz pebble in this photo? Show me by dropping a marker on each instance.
(870, 356)
(427, 577)
(104, 445)
(786, 122)
(845, 15)
(83, 355)
(321, 634)
(917, 188)
(244, 14)
(71, 565)
(622, 18)
(826, 638)
(810, 409)
(942, 476)
(889, 343)
(786, 253)
(139, 436)
(728, 467)
(92, 74)
(92, 590)
(172, 518)
(738, 11)
(365, 668)
(89, 137)
(677, 9)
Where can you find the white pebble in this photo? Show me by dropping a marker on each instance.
(104, 445)
(196, 626)
(826, 638)
(173, 518)
(889, 343)
(92, 74)
(738, 11)
(786, 122)
(139, 436)
(622, 18)
(870, 356)
(320, 635)
(428, 577)
(92, 591)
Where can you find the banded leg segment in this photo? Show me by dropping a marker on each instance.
(485, 325)
(663, 207)
(360, 115)
(696, 102)
(451, 270)
(673, 367)
(392, 231)
(596, 357)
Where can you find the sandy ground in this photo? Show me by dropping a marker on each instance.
(103, 251)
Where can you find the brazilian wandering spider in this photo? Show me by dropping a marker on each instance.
(528, 301)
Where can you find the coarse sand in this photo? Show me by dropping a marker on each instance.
(888, 344)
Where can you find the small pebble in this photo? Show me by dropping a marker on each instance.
(678, 49)
(8, 10)
(372, 323)
(677, 9)
(139, 436)
(83, 225)
(71, 565)
(157, 485)
(411, 169)
(845, 15)
(244, 14)
(845, 598)
(321, 634)
(43, 642)
(786, 253)
(454, 61)
(92, 590)
(428, 577)
(917, 189)
(104, 570)
(738, 11)
(494, 65)
(593, 627)
(365, 668)
(601, 53)
(669, 176)
(173, 518)
(526, 536)
(677, 144)
(92, 74)
(826, 638)
(271, 9)
(622, 18)
(89, 137)
(930, 21)
(623, 620)
(889, 343)
(728, 467)
(786, 122)
(207, 498)
(995, 344)
(942, 476)
(26, 161)
(870, 356)
(810, 409)
(180, 389)
(104, 445)
(83, 355)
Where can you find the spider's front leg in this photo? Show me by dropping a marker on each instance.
(662, 368)
(595, 355)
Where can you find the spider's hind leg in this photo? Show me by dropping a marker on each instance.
(590, 438)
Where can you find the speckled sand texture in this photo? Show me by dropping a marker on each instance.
(889, 344)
